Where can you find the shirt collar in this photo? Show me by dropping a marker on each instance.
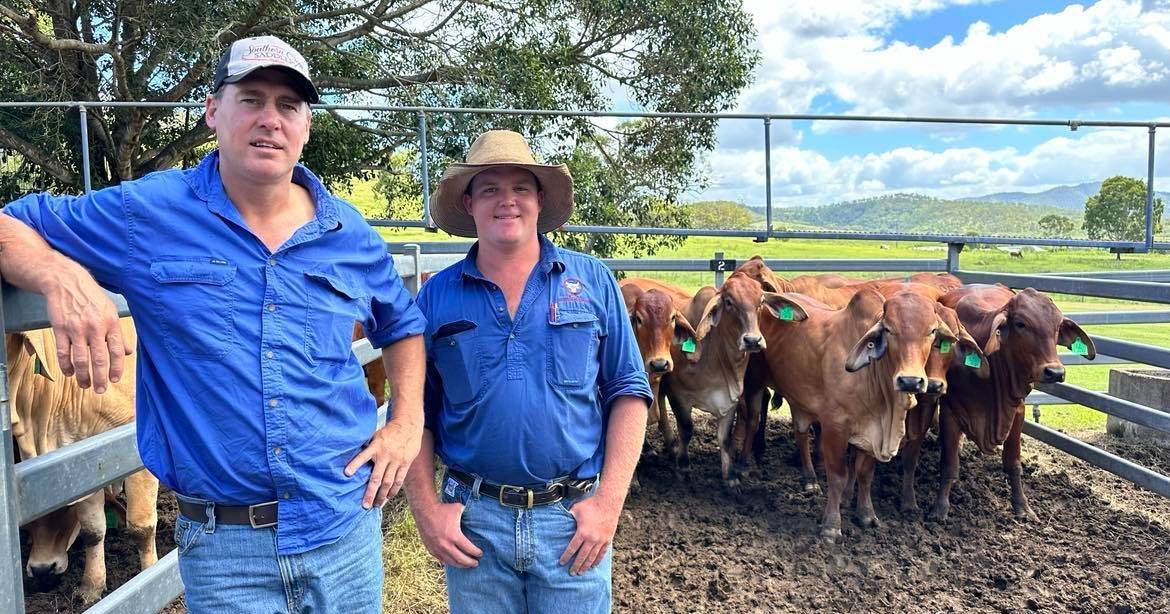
(205, 181)
(550, 259)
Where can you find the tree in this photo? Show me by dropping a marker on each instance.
(1056, 225)
(1118, 211)
(660, 55)
(722, 214)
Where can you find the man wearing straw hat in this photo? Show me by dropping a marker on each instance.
(535, 397)
(245, 277)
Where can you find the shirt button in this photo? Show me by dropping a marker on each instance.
(512, 336)
(273, 402)
(271, 307)
(499, 308)
(286, 495)
(276, 451)
(574, 325)
(269, 354)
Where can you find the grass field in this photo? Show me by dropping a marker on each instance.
(419, 580)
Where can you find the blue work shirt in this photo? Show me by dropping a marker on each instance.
(248, 390)
(525, 400)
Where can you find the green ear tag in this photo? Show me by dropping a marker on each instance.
(111, 519)
(688, 346)
(944, 347)
(786, 313)
(1079, 347)
(39, 367)
(973, 360)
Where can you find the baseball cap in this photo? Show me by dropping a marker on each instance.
(248, 55)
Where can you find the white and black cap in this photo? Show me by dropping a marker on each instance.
(248, 55)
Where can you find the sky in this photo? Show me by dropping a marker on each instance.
(1036, 59)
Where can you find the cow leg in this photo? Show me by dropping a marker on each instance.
(833, 450)
(142, 515)
(740, 443)
(670, 444)
(863, 468)
(909, 453)
(762, 426)
(686, 429)
(1015, 470)
(730, 479)
(950, 437)
(802, 425)
(92, 514)
(754, 414)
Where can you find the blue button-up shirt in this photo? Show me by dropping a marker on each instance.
(525, 400)
(248, 390)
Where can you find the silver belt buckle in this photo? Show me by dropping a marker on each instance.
(252, 516)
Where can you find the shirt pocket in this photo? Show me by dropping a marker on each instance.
(572, 349)
(333, 307)
(456, 353)
(195, 304)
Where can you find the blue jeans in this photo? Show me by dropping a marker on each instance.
(234, 568)
(520, 569)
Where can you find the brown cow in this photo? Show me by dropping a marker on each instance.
(658, 326)
(375, 370)
(856, 372)
(52, 412)
(1019, 334)
(728, 330)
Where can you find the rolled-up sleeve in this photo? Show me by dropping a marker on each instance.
(93, 229)
(433, 388)
(394, 314)
(621, 372)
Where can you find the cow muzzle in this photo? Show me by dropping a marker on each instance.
(752, 343)
(936, 386)
(910, 383)
(659, 365)
(45, 577)
(1053, 374)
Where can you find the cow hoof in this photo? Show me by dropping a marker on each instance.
(830, 535)
(1024, 512)
(871, 522)
(89, 595)
(732, 486)
(811, 487)
(938, 514)
(910, 511)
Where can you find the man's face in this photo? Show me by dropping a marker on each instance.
(505, 203)
(262, 124)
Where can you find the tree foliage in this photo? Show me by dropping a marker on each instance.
(660, 55)
(1118, 211)
(1054, 225)
(722, 214)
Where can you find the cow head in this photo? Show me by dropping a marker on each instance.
(768, 280)
(734, 312)
(1027, 330)
(49, 540)
(657, 326)
(964, 353)
(908, 331)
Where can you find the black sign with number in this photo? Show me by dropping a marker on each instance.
(719, 264)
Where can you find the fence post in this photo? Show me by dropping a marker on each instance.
(426, 174)
(953, 250)
(84, 114)
(415, 251)
(767, 177)
(718, 273)
(11, 576)
(1150, 192)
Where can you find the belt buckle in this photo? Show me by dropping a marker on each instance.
(506, 488)
(252, 516)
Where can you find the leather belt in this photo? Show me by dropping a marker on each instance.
(259, 516)
(522, 497)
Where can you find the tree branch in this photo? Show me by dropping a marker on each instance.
(35, 155)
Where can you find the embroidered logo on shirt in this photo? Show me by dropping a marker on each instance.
(573, 285)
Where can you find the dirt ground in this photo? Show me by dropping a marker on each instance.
(1101, 545)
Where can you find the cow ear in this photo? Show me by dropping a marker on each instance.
(970, 356)
(1070, 333)
(871, 347)
(999, 333)
(710, 317)
(784, 307)
(34, 342)
(686, 338)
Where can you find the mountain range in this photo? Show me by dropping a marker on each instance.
(1071, 197)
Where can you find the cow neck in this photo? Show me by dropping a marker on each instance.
(884, 403)
(728, 361)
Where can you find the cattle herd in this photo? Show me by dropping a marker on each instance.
(866, 368)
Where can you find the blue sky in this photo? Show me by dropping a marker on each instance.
(1108, 59)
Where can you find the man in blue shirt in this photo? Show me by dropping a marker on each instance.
(535, 387)
(245, 277)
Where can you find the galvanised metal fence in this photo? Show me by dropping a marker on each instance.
(31, 489)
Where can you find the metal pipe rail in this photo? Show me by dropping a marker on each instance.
(1119, 317)
(1127, 290)
(1097, 457)
(1127, 410)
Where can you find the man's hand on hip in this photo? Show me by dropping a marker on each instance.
(89, 337)
(438, 526)
(392, 449)
(597, 520)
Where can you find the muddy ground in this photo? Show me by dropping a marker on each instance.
(1101, 545)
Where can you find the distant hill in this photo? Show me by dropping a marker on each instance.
(916, 213)
(1065, 196)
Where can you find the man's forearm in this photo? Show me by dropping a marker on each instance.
(29, 263)
(420, 480)
(623, 445)
(405, 365)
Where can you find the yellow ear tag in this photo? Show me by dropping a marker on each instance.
(973, 360)
(688, 346)
(786, 313)
(944, 346)
(1079, 347)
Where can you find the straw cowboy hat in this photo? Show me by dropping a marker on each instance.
(501, 148)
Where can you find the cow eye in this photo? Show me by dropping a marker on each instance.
(1020, 325)
(636, 320)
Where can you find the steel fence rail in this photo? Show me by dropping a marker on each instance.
(147, 592)
(1162, 275)
(1133, 351)
(1127, 410)
(26, 311)
(1127, 290)
(1085, 318)
(1112, 463)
